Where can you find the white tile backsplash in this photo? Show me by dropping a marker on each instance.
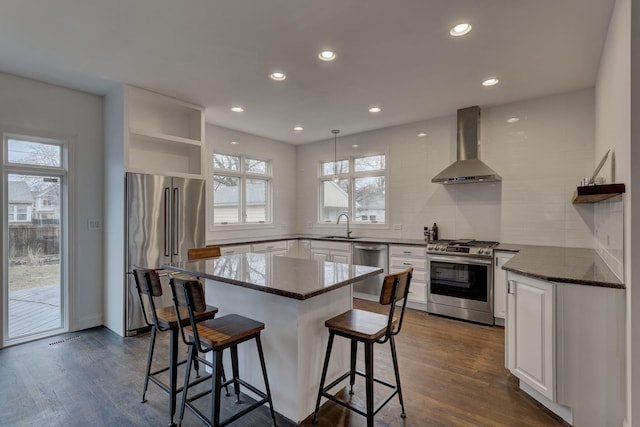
(609, 232)
(541, 159)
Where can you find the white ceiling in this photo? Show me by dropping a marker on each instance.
(394, 53)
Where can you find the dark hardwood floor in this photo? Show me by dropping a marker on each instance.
(452, 375)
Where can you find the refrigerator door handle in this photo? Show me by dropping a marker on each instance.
(175, 221)
(167, 221)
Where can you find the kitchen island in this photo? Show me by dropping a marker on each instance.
(293, 297)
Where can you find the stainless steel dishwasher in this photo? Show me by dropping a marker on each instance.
(374, 255)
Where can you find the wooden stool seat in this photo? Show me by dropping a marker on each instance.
(360, 326)
(360, 323)
(203, 253)
(226, 330)
(168, 319)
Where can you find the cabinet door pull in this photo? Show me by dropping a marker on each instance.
(510, 287)
(407, 252)
(407, 263)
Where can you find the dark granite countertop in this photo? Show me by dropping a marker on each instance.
(563, 265)
(388, 240)
(288, 277)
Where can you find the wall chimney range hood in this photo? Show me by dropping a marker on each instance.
(468, 168)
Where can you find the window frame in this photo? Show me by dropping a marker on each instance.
(351, 177)
(244, 177)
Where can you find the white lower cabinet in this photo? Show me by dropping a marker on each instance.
(531, 333)
(298, 248)
(403, 257)
(500, 285)
(274, 248)
(566, 344)
(330, 251)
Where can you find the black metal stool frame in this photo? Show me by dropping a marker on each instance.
(144, 280)
(389, 296)
(217, 375)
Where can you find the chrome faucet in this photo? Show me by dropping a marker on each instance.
(338, 222)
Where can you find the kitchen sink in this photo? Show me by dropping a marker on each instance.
(338, 237)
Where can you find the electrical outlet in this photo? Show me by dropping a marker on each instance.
(93, 224)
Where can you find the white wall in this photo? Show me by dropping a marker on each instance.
(283, 158)
(613, 131)
(541, 159)
(52, 110)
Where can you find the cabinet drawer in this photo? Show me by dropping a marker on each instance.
(404, 263)
(417, 292)
(236, 249)
(419, 276)
(407, 251)
(332, 246)
(269, 246)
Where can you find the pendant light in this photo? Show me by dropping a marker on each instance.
(335, 133)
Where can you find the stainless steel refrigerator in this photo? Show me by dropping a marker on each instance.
(165, 216)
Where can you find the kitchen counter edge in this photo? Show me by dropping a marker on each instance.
(582, 266)
(270, 290)
(387, 240)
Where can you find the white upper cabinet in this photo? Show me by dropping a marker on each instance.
(163, 135)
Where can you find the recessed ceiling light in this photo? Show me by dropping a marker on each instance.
(234, 142)
(513, 120)
(327, 55)
(375, 109)
(298, 128)
(237, 109)
(460, 29)
(422, 135)
(355, 146)
(278, 75)
(490, 82)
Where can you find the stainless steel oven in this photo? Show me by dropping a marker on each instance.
(460, 280)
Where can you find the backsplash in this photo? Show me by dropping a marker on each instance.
(609, 233)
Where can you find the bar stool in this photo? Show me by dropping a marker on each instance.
(162, 319)
(368, 328)
(214, 336)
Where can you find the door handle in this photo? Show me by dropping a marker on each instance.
(175, 238)
(167, 222)
(511, 287)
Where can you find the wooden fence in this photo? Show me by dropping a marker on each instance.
(31, 240)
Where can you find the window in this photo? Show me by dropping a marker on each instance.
(355, 186)
(241, 190)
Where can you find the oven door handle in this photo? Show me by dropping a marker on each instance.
(459, 260)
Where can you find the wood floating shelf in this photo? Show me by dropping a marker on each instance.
(596, 193)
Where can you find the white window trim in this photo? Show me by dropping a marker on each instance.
(350, 176)
(244, 176)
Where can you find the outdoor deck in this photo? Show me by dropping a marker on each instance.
(34, 310)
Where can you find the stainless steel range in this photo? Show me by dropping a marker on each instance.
(460, 279)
